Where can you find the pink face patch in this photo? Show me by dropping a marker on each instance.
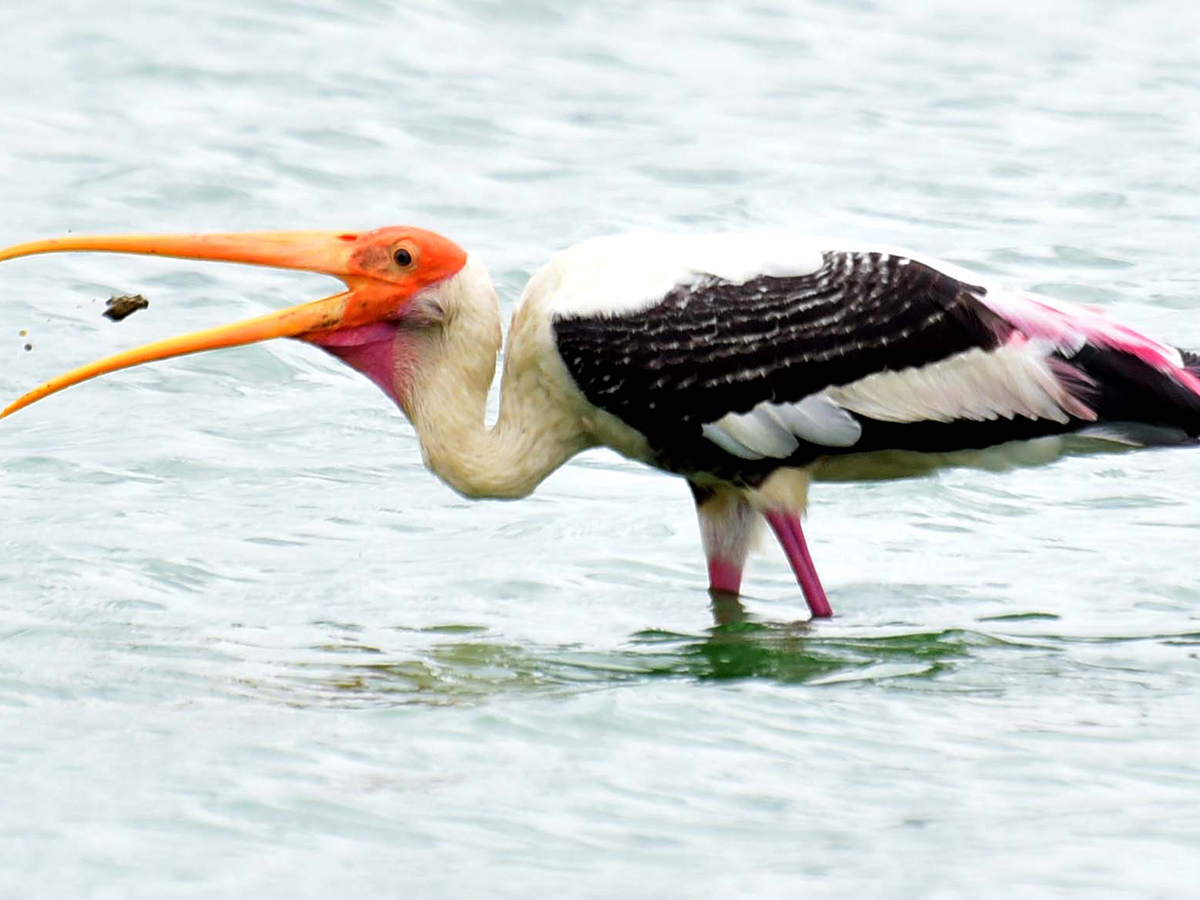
(376, 350)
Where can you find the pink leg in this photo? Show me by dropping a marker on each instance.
(724, 575)
(727, 524)
(786, 526)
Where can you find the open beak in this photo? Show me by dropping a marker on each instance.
(367, 299)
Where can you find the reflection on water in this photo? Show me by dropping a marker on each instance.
(458, 664)
(470, 668)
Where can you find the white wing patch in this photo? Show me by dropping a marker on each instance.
(1017, 379)
(818, 420)
(776, 429)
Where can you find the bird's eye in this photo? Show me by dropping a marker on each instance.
(403, 257)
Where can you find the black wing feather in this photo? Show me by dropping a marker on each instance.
(715, 347)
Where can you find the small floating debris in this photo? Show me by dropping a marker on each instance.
(117, 308)
(29, 346)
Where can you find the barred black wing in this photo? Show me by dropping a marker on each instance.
(712, 348)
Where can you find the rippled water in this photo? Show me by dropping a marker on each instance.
(248, 647)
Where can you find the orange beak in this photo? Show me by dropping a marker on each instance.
(377, 287)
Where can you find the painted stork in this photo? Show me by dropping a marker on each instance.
(748, 364)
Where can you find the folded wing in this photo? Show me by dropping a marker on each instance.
(867, 350)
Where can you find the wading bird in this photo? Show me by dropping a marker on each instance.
(748, 364)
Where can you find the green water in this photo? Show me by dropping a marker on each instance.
(249, 647)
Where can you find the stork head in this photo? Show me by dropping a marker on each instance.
(403, 287)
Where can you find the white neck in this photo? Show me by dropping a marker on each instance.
(537, 430)
(506, 461)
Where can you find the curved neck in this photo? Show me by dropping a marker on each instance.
(532, 437)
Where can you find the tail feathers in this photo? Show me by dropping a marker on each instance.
(1127, 389)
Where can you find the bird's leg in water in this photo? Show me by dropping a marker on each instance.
(786, 526)
(727, 526)
(724, 576)
(726, 608)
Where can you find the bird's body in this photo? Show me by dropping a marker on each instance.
(748, 364)
(753, 364)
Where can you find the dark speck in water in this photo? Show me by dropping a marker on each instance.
(117, 308)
